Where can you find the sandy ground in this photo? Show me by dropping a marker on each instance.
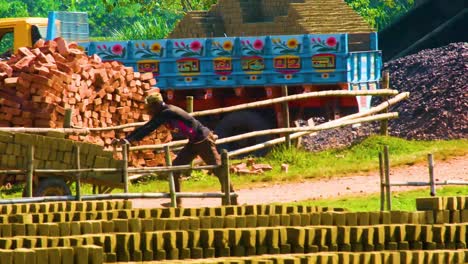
(455, 169)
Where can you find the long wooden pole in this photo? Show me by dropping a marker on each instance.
(385, 84)
(78, 173)
(227, 180)
(382, 182)
(387, 178)
(80, 131)
(371, 111)
(295, 97)
(430, 161)
(285, 108)
(171, 178)
(67, 121)
(189, 104)
(308, 130)
(30, 171)
(379, 92)
(125, 166)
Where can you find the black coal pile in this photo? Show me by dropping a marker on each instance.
(437, 80)
(437, 108)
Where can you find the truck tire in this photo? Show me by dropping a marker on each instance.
(50, 186)
(241, 122)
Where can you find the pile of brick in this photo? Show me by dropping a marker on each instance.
(37, 85)
(273, 17)
(51, 152)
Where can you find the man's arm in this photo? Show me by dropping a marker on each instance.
(144, 130)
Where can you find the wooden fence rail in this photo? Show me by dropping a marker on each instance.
(76, 173)
(385, 184)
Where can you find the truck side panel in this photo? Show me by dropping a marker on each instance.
(245, 61)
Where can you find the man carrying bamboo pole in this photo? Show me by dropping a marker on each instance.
(201, 139)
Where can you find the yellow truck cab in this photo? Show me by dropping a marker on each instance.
(21, 32)
(25, 31)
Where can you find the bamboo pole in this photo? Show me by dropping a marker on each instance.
(385, 84)
(125, 166)
(431, 174)
(67, 122)
(285, 107)
(189, 104)
(325, 126)
(130, 170)
(79, 131)
(387, 178)
(295, 97)
(172, 191)
(227, 180)
(371, 111)
(30, 172)
(382, 183)
(78, 174)
(379, 92)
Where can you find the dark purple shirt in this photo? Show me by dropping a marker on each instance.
(177, 119)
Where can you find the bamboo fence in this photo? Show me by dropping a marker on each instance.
(385, 184)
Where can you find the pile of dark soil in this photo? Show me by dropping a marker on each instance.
(437, 108)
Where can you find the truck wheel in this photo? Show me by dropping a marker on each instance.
(241, 122)
(50, 186)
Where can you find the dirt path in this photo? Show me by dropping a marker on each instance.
(453, 169)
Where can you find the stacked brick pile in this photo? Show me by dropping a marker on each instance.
(37, 85)
(273, 17)
(51, 152)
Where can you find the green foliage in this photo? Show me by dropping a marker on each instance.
(380, 14)
(154, 28)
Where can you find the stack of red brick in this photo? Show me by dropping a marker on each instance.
(37, 85)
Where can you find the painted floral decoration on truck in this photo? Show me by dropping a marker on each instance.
(224, 49)
(194, 48)
(115, 51)
(146, 50)
(252, 48)
(286, 47)
(325, 45)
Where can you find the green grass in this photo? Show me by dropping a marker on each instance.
(403, 201)
(360, 158)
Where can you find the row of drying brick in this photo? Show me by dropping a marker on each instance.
(388, 257)
(207, 243)
(110, 205)
(55, 255)
(242, 220)
(94, 255)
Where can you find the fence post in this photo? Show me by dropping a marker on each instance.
(125, 166)
(30, 172)
(285, 105)
(189, 104)
(227, 177)
(387, 178)
(78, 174)
(67, 118)
(382, 183)
(431, 174)
(171, 177)
(385, 85)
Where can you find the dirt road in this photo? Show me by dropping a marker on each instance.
(453, 169)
